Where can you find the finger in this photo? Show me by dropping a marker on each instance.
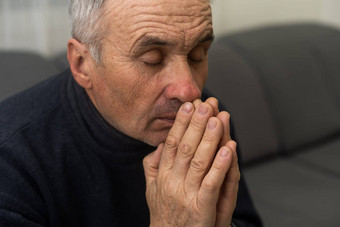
(225, 119)
(191, 139)
(196, 103)
(151, 164)
(212, 182)
(201, 162)
(228, 195)
(175, 135)
(214, 103)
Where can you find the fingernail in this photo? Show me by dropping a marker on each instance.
(202, 109)
(187, 107)
(212, 123)
(224, 152)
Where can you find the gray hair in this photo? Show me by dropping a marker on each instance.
(85, 16)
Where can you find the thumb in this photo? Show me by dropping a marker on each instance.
(151, 163)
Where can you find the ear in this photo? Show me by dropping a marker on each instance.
(80, 61)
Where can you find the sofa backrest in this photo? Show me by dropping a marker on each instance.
(281, 85)
(20, 70)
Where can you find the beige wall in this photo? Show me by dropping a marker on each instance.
(43, 27)
(234, 15)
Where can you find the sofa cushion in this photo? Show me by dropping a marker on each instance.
(325, 158)
(298, 70)
(287, 193)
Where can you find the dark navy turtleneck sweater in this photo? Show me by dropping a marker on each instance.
(62, 164)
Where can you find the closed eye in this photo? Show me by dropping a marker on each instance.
(197, 54)
(153, 57)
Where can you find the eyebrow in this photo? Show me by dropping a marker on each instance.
(148, 40)
(151, 40)
(207, 38)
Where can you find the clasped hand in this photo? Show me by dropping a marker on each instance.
(192, 179)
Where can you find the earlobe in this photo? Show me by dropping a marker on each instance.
(78, 57)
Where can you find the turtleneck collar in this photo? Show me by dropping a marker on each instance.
(102, 134)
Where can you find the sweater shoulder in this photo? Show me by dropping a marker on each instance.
(27, 107)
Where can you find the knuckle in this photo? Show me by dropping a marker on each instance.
(182, 121)
(184, 151)
(197, 165)
(218, 168)
(171, 142)
(209, 185)
(209, 139)
(235, 177)
(169, 190)
(197, 124)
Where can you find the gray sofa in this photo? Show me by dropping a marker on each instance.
(282, 87)
(20, 70)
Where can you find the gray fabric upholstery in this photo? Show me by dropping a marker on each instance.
(324, 157)
(237, 87)
(20, 70)
(282, 87)
(299, 89)
(287, 193)
(290, 75)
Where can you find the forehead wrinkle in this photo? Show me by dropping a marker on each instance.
(168, 11)
(197, 34)
(180, 29)
(158, 8)
(157, 16)
(149, 39)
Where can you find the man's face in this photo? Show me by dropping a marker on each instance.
(154, 58)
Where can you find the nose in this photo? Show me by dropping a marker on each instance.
(182, 84)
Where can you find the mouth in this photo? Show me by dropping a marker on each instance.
(167, 119)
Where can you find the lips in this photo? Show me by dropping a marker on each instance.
(171, 121)
(168, 118)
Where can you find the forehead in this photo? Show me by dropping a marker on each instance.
(179, 22)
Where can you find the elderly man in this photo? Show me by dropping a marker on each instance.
(72, 147)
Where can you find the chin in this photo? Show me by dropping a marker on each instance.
(156, 138)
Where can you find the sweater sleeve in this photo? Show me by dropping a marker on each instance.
(12, 219)
(20, 202)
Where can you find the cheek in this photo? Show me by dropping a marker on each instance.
(133, 87)
(136, 86)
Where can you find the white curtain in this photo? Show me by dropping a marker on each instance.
(331, 12)
(234, 15)
(34, 25)
(43, 26)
